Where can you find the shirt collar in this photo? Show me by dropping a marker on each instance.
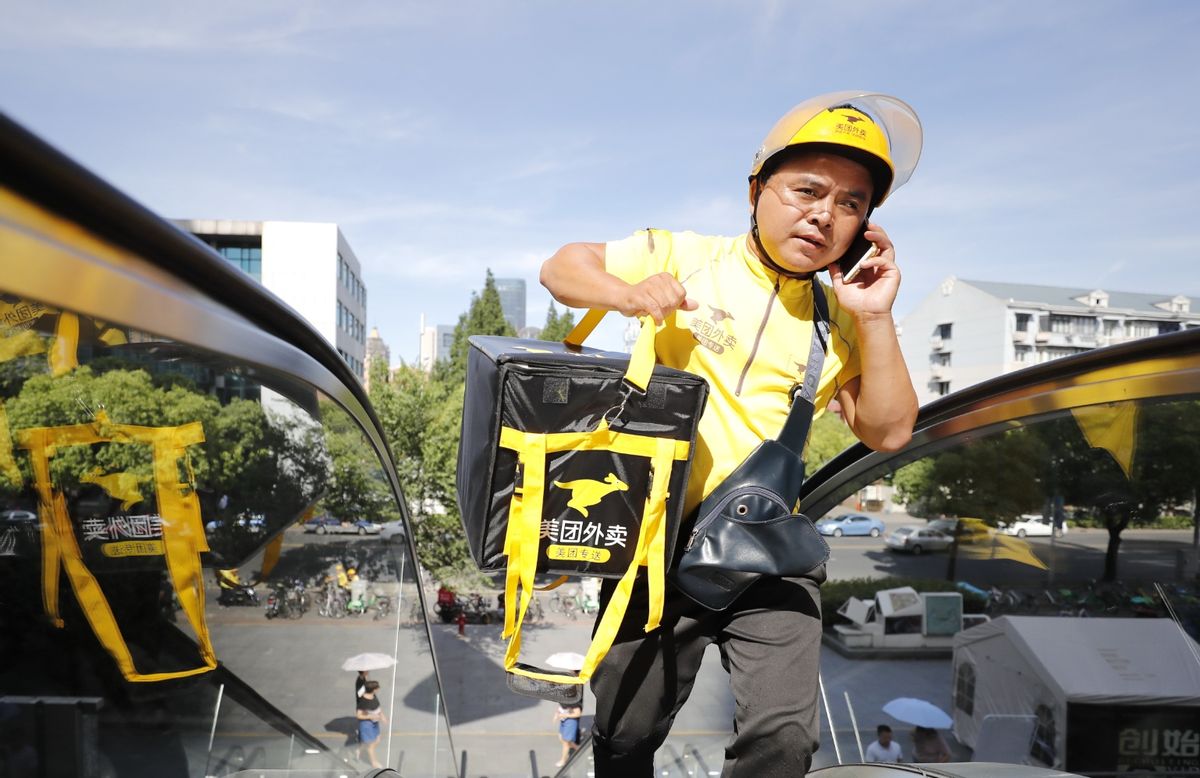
(766, 276)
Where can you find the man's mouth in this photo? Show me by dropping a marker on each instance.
(812, 240)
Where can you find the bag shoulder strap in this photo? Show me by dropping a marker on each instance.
(795, 430)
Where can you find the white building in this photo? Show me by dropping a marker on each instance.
(966, 332)
(309, 265)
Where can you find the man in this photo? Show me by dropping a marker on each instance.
(884, 749)
(739, 311)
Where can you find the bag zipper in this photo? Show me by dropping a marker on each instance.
(715, 513)
(757, 339)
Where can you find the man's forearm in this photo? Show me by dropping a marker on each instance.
(886, 407)
(575, 275)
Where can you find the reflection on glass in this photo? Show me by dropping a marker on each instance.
(156, 575)
(1071, 538)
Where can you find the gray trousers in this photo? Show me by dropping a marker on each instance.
(770, 641)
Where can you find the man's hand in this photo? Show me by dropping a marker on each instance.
(873, 290)
(657, 296)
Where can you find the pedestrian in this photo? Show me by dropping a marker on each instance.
(884, 749)
(739, 312)
(462, 624)
(567, 717)
(370, 715)
(928, 746)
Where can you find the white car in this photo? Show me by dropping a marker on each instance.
(1032, 525)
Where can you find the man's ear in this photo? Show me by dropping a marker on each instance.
(754, 191)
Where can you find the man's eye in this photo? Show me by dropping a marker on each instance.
(851, 205)
(806, 191)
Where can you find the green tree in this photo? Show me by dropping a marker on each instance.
(357, 487)
(829, 437)
(484, 317)
(558, 325)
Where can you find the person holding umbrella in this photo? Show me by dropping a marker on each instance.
(928, 745)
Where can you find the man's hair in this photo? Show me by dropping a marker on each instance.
(883, 728)
(371, 687)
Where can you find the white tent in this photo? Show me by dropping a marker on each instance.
(1130, 687)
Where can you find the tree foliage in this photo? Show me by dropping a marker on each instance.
(558, 325)
(485, 316)
(829, 437)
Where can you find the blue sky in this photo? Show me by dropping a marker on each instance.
(1062, 140)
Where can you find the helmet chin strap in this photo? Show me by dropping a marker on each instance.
(763, 255)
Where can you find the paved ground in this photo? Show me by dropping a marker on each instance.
(296, 665)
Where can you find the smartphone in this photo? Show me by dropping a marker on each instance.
(860, 250)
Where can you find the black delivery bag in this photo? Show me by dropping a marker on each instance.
(574, 461)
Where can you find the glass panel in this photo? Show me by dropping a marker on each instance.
(1071, 538)
(158, 514)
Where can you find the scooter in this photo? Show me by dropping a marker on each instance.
(237, 594)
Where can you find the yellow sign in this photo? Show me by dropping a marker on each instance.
(133, 548)
(578, 553)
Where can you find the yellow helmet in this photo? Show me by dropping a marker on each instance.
(880, 131)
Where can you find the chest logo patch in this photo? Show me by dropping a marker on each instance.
(714, 333)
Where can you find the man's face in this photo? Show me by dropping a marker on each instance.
(885, 738)
(811, 209)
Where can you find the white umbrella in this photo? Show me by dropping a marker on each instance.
(566, 660)
(918, 712)
(368, 662)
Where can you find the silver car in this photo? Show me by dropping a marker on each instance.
(918, 540)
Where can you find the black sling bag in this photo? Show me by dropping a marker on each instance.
(745, 528)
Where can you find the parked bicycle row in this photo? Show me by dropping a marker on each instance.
(339, 593)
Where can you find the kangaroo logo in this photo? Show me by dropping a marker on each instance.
(719, 315)
(120, 486)
(585, 492)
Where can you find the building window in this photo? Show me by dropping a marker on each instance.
(1073, 325)
(1167, 326)
(1024, 355)
(1112, 327)
(964, 688)
(1022, 320)
(940, 388)
(1141, 329)
(943, 331)
(942, 359)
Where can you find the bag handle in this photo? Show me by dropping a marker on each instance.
(641, 361)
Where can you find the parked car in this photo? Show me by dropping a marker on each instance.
(1033, 525)
(971, 530)
(392, 531)
(851, 524)
(918, 540)
(329, 525)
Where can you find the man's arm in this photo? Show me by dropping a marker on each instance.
(880, 405)
(575, 275)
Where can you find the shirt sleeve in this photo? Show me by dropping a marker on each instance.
(640, 256)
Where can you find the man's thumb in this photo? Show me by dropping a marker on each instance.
(689, 304)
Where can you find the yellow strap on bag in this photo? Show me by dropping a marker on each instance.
(641, 361)
(523, 536)
(183, 537)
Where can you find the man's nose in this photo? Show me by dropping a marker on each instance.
(821, 213)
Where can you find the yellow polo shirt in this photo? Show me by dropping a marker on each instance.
(749, 338)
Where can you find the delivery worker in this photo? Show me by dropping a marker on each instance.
(738, 311)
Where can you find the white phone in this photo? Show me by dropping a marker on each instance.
(849, 275)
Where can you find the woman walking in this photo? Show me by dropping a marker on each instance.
(370, 715)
